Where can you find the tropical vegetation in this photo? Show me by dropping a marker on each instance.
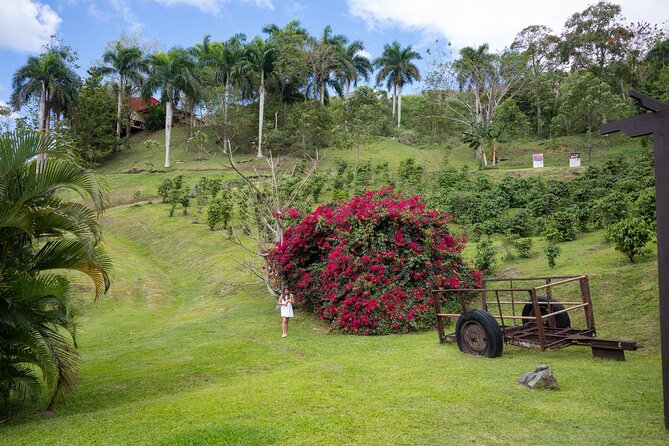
(42, 232)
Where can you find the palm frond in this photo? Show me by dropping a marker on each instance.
(77, 256)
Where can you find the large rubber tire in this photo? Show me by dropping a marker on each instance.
(478, 333)
(561, 320)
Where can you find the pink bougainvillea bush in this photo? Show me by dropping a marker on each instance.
(367, 265)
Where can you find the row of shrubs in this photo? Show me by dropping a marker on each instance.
(618, 196)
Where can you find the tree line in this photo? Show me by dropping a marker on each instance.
(544, 84)
(288, 64)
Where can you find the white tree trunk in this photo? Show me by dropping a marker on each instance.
(225, 103)
(191, 124)
(261, 113)
(483, 155)
(399, 107)
(168, 131)
(348, 86)
(41, 125)
(118, 110)
(394, 98)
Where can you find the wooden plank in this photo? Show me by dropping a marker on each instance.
(508, 302)
(575, 307)
(559, 282)
(440, 323)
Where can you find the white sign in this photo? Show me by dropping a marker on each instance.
(538, 160)
(575, 160)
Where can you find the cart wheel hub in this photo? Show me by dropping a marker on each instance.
(474, 338)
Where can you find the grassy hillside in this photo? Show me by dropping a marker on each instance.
(184, 351)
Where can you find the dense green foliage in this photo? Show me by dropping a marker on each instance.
(94, 118)
(41, 232)
(630, 236)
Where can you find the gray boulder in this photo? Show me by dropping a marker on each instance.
(541, 378)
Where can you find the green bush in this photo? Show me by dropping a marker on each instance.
(485, 256)
(168, 185)
(630, 236)
(524, 247)
(410, 173)
(611, 209)
(154, 118)
(521, 223)
(644, 206)
(561, 227)
(219, 212)
(552, 252)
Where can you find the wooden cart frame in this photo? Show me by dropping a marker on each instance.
(543, 324)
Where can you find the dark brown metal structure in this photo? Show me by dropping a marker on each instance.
(656, 123)
(539, 326)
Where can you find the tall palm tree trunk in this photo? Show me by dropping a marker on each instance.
(399, 107)
(322, 92)
(191, 123)
(168, 131)
(394, 98)
(119, 110)
(41, 125)
(261, 112)
(225, 102)
(483, 155)
(42, 109)
(348, 86)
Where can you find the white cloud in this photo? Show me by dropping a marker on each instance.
(26, 25)
(97, 13)
(487, 21)
(294, 8)
(267, 4)
(124, 10)
(213, 6)
(365, 53)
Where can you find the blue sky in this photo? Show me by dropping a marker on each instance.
(87, 25)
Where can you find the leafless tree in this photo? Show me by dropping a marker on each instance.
(269, 194)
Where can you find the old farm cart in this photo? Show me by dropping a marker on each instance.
(529, 316)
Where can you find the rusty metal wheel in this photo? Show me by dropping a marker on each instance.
(478, 333)
(561, 320)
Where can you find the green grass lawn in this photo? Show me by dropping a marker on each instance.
(184, 351)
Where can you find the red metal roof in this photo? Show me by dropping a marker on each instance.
(137, 104)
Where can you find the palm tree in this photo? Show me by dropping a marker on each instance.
(397, 68)
(126, 62)
(63, 99)
(326, 55)
(48, 77)
(472, 69)
(227, 60)
(40, 231)
(355, 66)
(175, 74)
(261, 55)
(290, 67)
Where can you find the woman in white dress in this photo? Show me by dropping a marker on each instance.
(286, 303)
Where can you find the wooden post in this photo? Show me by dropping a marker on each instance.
(440, 322)
(656, 123)
(585, 295)
(539, 320)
